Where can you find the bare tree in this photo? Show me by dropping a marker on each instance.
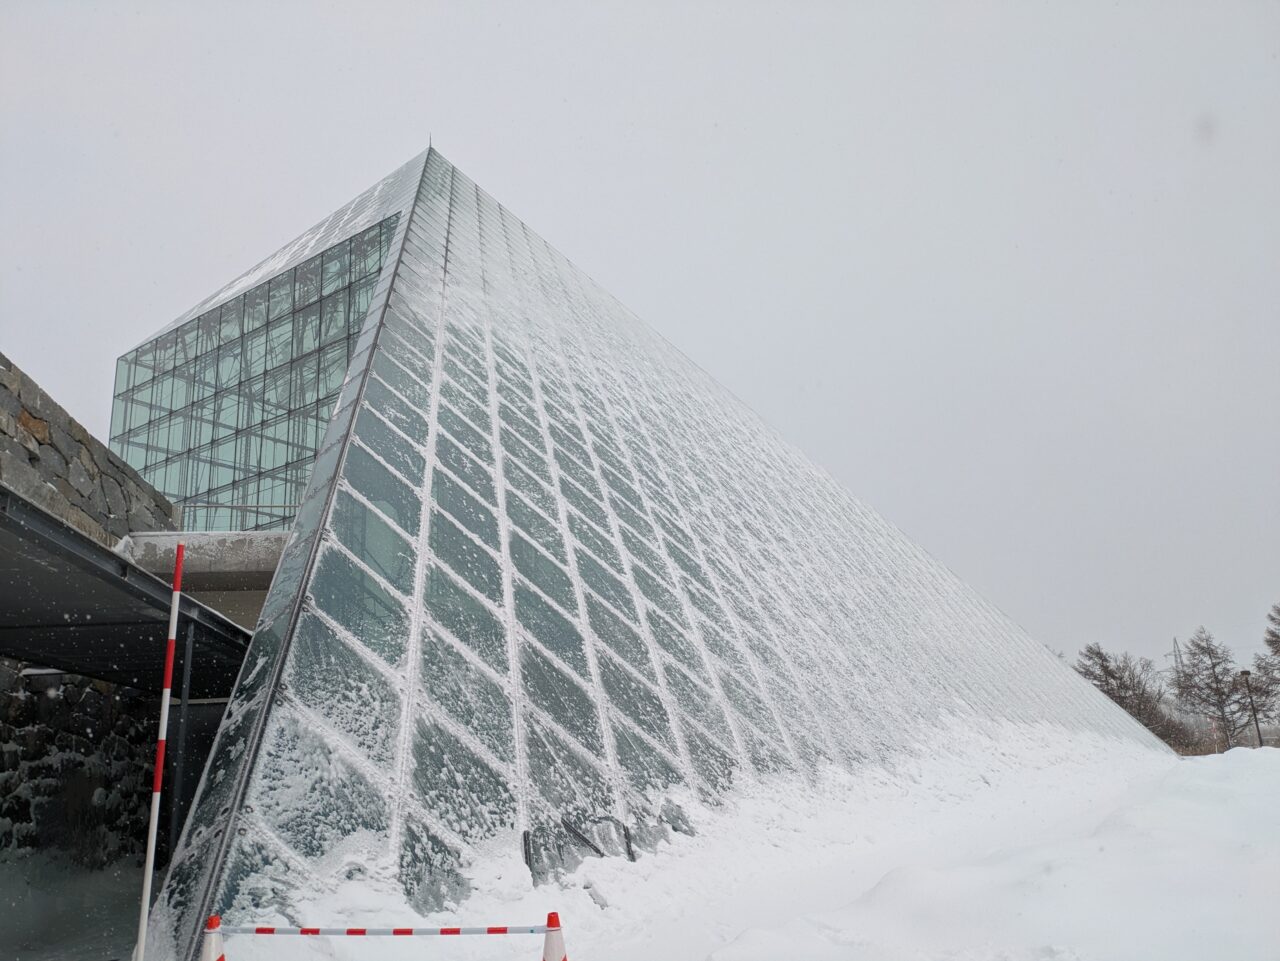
(1208, 686)
(1135, 685)
(1265, 686)
(1272, 635)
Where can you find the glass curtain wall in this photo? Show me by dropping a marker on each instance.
(224, 414)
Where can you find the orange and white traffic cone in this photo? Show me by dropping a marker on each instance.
(553, 944)
(211, 948)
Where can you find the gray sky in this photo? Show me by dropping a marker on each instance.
(1009, 271)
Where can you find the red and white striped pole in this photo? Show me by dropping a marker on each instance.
(139, 952)
(211, 946)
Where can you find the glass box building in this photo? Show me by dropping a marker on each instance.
(223, 412)
(545, 577)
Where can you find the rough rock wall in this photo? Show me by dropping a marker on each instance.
(75, 765)
(47, 457)
(75, 753)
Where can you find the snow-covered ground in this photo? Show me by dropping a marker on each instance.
(1017, 845)
(1009, 844)
(1185, 866)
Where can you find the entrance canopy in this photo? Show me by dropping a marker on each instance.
(69, 603)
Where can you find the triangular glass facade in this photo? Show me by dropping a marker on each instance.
(545, 575)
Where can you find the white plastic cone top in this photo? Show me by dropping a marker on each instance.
(211, 947)
(553, 944)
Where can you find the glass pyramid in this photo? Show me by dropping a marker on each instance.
(547, 575)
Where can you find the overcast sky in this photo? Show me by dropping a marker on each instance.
(1010, 271)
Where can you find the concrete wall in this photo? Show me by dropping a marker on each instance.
(47, 457)
(229, 571)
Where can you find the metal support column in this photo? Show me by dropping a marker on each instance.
(175, 799)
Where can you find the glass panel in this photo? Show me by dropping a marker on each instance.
(336, 274)
(562, 698)
(279, 343)
(464, 792)
(477, 566)
(463, 432)
(583, 503)
(671, 640)
(543, 572)
(697, 702)
(574, 788)
(529, 486)
(468, 695)
(186, 342)
(631, 517)
(543, 531)
(471, 471)
(280, 295)
(465, 508)
(619, 635)
(333, 368)
(527, 431)
(382, 488)
(366, 253)
(466, 618)
(656, 592)
(647, 770)
(306, 330)
(306, 288)
(605, 584)
(641, 551)
(356, 601)
(714, 764)
(229, 365)
(309, 794)
(409, 385)
(254, 357)
(333, 318)
(580, 475)
(255, 308)
(390, 446)
(304, 383)
(229, 329)
(330, 677)
(639, 702)
(552, 629)
(526, 455)
(395, 409)
(374, 541)
(470, 409)
(430, 870)
(361, 296)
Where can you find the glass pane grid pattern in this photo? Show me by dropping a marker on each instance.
(229, 407)
(548, 576)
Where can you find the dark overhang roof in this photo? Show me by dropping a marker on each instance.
(68, 602)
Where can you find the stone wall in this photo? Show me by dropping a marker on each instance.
(75, 754)
(75, 764)
(48, 458)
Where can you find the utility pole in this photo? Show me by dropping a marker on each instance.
(1252, 707)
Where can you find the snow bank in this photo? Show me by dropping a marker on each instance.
(936, 847)
(1181, 867)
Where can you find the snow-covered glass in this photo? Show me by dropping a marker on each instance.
(547, 577)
